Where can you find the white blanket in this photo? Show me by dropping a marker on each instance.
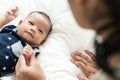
(65, 38)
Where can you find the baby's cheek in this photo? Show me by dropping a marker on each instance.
(37, 41)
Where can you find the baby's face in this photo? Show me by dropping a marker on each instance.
(34, 29)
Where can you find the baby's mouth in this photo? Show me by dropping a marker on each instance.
(29, 34)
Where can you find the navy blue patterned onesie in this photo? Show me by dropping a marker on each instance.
(11, 45)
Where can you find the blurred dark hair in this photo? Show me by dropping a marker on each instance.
(105, 50)
(111, 46)
(114, 8)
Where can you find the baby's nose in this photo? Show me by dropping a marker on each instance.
(33, 29)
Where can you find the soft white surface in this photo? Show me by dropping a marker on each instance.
(65, 38)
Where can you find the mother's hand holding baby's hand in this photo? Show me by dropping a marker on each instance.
(27, 67)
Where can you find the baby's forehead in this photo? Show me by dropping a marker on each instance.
(33, 14)
(39, 17)
(41, 14)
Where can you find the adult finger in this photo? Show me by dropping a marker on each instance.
(32, 59)
(20, 66)
(90, 54)
(84, 61)
(79, 64)
(81, 77)
(84, 56)
(76, 55)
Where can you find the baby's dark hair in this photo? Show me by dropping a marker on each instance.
(46, 16)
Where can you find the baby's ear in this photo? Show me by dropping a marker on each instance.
(42, 42)
(20, 22)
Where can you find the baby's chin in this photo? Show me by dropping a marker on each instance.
(32, 42)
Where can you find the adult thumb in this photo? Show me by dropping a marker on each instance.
(33, 59)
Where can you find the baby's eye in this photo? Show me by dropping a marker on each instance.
(40, 31)
(31, 23)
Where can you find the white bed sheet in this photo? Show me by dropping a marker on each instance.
(65, 38)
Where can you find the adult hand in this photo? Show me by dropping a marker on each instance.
(27, 67)
(85, 63)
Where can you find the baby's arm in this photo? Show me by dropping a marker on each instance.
(8, 16)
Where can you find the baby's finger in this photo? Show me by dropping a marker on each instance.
(13, 11)
(9, 12)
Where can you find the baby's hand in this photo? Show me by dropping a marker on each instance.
(27, 52)
(11, 14)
